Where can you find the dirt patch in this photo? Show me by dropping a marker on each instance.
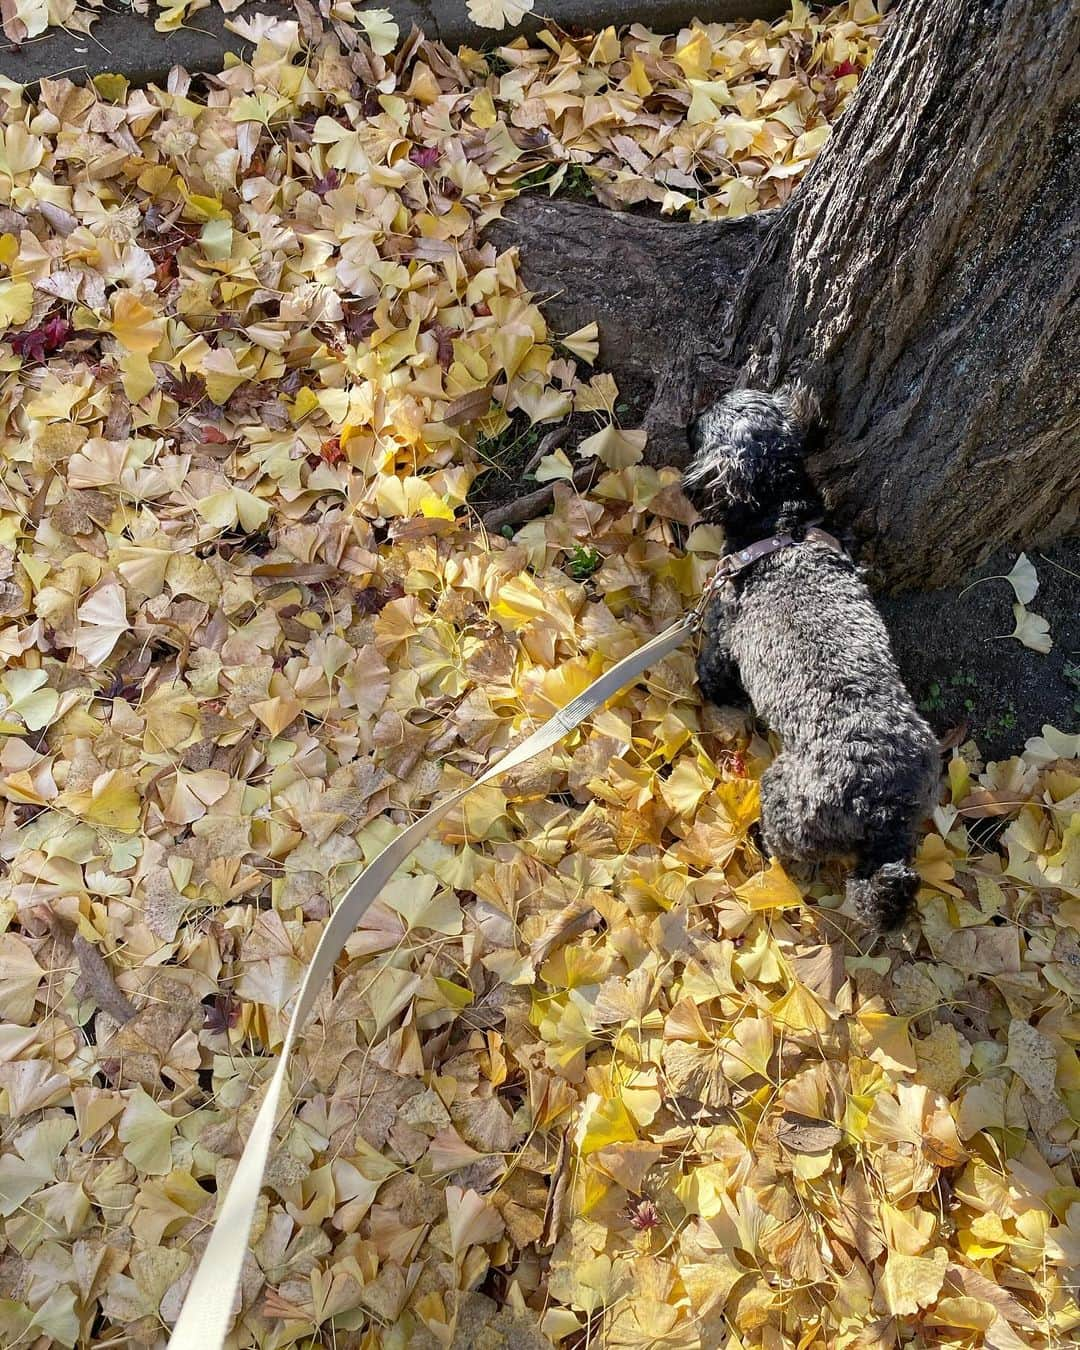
(961, 674)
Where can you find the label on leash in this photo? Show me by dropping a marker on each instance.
(213, 1297)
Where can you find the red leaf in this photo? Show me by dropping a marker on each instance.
(444, 337)
(36, 343)
(331, 451)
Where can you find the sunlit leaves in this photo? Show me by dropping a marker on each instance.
(770, 889)
(589, 1035)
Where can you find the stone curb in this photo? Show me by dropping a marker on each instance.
(130, 45)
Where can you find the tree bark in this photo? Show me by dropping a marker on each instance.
(923, 282)
(660, 291)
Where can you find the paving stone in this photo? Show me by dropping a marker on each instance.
(130, 45)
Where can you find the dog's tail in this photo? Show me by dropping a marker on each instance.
(883, 896)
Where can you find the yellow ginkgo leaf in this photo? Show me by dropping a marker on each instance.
(936, 866)
(972, 1314)
(473, 1220)
(139, 378)
(810, 142)
(615, 448)
(909, 1283)
(134, 325)
(112, 800)
(695, 55)
(554, 467)
(380, 29)
(111, 87)
(1024, 579)
(482, 110)
(1052, 744)
(511, 344)
(740, 800)
(585, 343)
(29, 700)
(435, 508)
(174, 12)
(885, 1039)
(1031, 629)
(20, 979)
(455, 995)
(234, 506)
(16, 302)
(277, 713)
(707, 98)
(222, 374)
(424, 903)
(102, 622)
(216, 238)
(28, 19)
(800, 1011)
(770, 889)
(686, 786)
(201, 206)
(31, 1160)
(498, 13)
(146, 1132)
(603, 1121)
(637, 81)
(56, 399)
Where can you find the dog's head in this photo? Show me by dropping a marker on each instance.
(746, 448)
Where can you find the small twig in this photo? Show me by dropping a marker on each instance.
(552, 441)
(534, 504)
(555, 1212)
(1067, 570)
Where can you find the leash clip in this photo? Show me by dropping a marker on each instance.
(721, 573)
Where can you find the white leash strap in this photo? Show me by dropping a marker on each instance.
(208, 1309)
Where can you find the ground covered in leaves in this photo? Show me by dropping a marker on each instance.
(593, 1071)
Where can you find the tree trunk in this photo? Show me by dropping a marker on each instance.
(923, 282)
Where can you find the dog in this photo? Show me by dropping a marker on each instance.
(794, 630)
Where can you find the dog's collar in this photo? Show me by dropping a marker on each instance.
(731, 564)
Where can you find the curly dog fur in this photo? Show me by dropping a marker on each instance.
(798, 633)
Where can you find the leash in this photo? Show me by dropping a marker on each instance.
(213, 1295)
(212, 1298)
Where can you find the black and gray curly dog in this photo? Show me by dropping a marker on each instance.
(797, 631)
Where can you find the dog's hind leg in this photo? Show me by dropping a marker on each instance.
(785, 832)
